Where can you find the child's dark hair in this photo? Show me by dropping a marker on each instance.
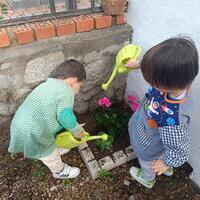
(69, 68)
(172, 64)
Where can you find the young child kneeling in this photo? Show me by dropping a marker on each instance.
(159, 129)
(47, 110)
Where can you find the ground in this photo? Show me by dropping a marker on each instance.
(28, 179)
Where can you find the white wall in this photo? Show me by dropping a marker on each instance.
(154, 21)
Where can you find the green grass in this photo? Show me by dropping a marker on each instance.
(67, 182)
(104, 174)
(39, 171)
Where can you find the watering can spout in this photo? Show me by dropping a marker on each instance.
(105, 86)
(66, 139)
(104, 137)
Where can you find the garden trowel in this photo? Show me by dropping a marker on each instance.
(128, 52)
(66, 139)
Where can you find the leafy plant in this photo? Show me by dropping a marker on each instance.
(39, 173)
(3, 7)
(39, 170)
(110, 119)
(103, 174)
(67, 181)
(103, 145)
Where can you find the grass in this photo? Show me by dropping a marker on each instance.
(104, 174)
(67, 182)
(39, 171)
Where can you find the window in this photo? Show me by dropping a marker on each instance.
(16, 11)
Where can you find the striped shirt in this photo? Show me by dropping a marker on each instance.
(46, 110)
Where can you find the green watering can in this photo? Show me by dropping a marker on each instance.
(66, 139)
(128, 52)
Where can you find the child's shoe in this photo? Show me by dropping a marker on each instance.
(67, 172)
(136, 173)
(169, 172)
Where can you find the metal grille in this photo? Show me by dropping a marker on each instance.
(20, 11)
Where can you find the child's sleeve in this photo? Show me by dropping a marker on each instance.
(65, 114)
(176, 142)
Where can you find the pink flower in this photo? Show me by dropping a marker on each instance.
(134, 104)
(104, 102)
(131, 98)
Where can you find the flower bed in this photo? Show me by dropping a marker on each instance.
(110, 118)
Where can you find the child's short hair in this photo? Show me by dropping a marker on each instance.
(70, 68)
(172, 64)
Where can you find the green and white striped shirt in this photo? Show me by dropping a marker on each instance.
(45, 111)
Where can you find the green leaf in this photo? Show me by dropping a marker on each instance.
(104, 174)
(67, 181)
(39, 173)
(104, 145)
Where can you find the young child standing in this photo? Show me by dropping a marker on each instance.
(159, 129)
(47, 110)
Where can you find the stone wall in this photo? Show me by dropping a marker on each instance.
(24, 67)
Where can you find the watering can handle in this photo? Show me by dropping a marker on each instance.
(138, 52)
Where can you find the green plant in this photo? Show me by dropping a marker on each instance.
(110, 119)
(2, 4)
(103, 145)
(104, 174)
(39, 172)
(67, 181)
(3, 8)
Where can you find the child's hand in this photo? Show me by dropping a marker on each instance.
(79, 134)
(159, 167)
(133, 64)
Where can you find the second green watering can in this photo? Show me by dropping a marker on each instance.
(66, 139)
(128, 52)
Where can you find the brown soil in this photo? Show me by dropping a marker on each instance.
(22, 179)
(120, 144)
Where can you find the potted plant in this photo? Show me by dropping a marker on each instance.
(113, 7)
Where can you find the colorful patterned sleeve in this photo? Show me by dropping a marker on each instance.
(176, 142)
(65, 114)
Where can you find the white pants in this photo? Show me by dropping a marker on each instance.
(54, 161)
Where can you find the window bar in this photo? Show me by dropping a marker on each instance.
(52, 6)
(70, 2)
(73, 5)
(92, 5)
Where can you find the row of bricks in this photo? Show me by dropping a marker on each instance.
(42, 30)
(107, 163)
